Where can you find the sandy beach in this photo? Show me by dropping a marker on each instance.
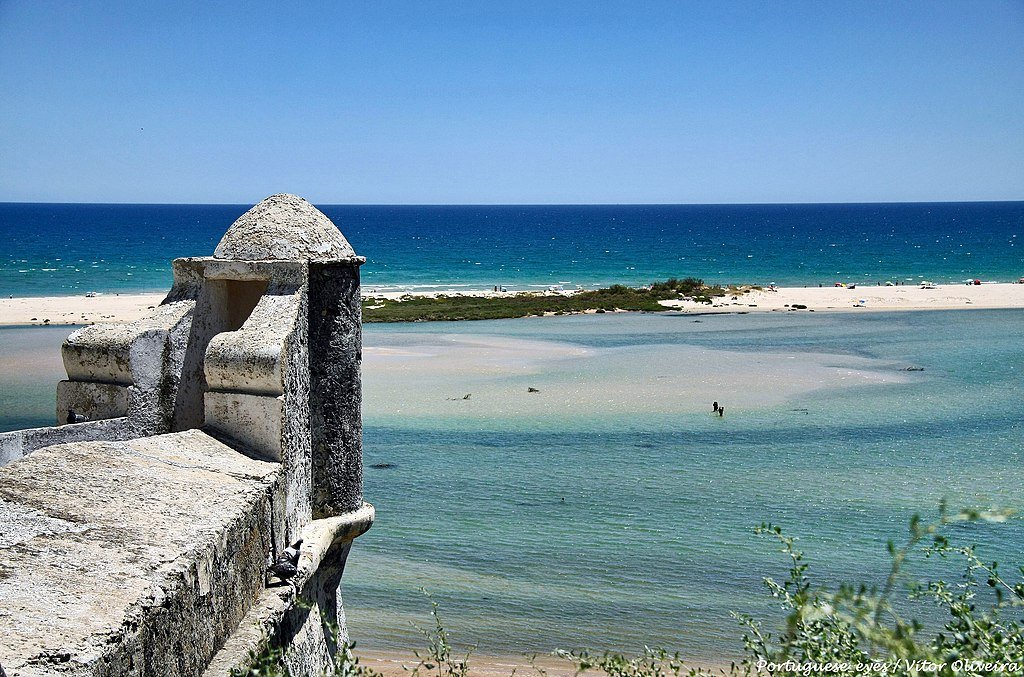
(396, 664)
(66, 310)
(52, 310)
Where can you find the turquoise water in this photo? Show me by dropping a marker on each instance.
(30, 367)
(611, 509)
(653, 541)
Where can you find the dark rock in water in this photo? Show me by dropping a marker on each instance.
(383, 466)
(799, 306)
(697, 321)
(532, 390)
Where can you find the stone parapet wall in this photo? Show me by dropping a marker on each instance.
(18, 443)
(131, 558)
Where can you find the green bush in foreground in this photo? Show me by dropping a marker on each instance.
(439, 655)
(850, 631)
(857, 630)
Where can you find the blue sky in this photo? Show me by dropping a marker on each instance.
(516, 102)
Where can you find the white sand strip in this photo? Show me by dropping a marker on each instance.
(128, 307)
(77, 309)
(861, 298)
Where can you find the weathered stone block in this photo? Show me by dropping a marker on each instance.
(94, 400)
(18, 443)
(255, 421)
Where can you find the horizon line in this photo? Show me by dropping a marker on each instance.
(525, 204)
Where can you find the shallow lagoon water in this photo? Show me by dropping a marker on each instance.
(611, 509)
(824, 434)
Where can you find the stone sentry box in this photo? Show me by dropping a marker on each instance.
(259, 348)
(260, 343)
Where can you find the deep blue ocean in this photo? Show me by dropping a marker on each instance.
(53, 249)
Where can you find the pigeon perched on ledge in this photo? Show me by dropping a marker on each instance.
(75, 417)
(286, 564)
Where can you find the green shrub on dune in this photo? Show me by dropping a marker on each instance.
(526, 304)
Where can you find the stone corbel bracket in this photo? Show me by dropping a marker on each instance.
(320, 536)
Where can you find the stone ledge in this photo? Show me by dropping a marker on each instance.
(262, 622)
(18, 443)
(131, 558)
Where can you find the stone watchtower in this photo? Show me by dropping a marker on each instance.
(241, 395)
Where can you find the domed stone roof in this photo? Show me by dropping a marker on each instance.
(283, 227)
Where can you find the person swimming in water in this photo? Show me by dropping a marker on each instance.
(721, 411)
(714, 408)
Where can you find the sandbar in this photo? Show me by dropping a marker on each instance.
(68, 310)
